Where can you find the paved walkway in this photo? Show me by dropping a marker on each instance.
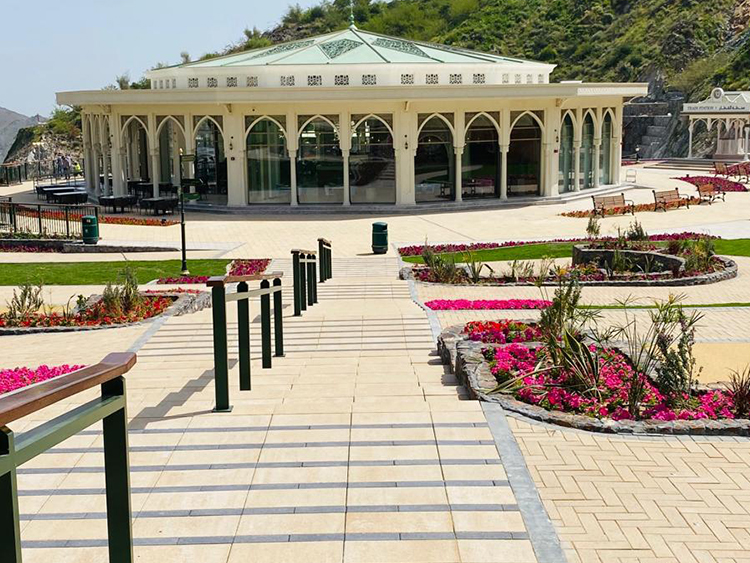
(355, 447)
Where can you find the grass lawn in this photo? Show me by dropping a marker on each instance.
(99, 273)
(735, 247)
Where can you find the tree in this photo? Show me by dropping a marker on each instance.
(123, 81)
(185, 57)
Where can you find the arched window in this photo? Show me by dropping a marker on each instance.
(567, 169)
(171, 146)
(434, 163)
(320, 166)
(587, 152)
(524, 158)
(605, 154)
(480, 173)
(268, 168)
(137, 159)
(210, 162)
(372, 163)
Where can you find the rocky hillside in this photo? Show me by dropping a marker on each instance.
(10, 123)
(61, 133)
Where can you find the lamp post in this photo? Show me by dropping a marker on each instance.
(181, 191)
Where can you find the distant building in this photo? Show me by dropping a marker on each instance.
(353, 117)
(729, 112)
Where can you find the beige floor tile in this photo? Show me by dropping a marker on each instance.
(488, 521)
(299, 475)
(397, 496)
(185, 527)
(496, 551)
(169, 553)
(296, 497)
(397, 522)
(264, 524)
(482, 495)
(309, 552)
(477, 472)
(441, 551)
(395, 473)
(66, 555)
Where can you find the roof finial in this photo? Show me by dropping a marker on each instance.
(351, 15)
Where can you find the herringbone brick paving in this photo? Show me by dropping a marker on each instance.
(620, 499)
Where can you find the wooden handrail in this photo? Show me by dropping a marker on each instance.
(325, 241)
(35, 398)
(304, 251)
(224, 280)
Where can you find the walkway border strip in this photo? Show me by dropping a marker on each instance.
(542, 532)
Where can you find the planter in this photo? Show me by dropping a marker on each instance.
(468, 363)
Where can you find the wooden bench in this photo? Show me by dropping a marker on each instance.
(709, 193)
(604, 203)
(668, 198)
(720, 169)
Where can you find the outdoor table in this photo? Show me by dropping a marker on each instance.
(159, 204)
(144, 190)
(115, 201)
(77, 196)
(167, 188)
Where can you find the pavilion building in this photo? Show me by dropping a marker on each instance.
(353, 117)
(729, 112)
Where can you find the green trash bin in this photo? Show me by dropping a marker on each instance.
(379, 238)
(90, 228)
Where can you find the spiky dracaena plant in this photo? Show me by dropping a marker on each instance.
(739, 387)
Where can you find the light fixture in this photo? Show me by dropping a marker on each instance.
(406, 142)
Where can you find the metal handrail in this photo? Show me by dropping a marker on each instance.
(110, 408)
(326, 265)
(304, 266)
(219, 300)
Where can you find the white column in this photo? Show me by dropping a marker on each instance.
(504, 172)
(95, 167)
(577, 166)
(551, 155)
(155, 171)
(459, 152)
(405, 147)
(118, 184)
(690, 138)
(234, 132)
(617, 140)
(189, 146)
(176, 172)
(293, 177)
(347, 195)
(597, 149)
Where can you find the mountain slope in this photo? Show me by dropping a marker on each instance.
(10, 123)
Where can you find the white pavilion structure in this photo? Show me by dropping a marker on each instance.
(730, 113)
(353, 117)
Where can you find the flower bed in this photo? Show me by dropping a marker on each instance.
(103, 219)
(501, 332)
(721, 184)
(27, 248)
(12, 379)
(239, 267)
(93, 315)
(486, 304)
(556, 390)
(417, 250)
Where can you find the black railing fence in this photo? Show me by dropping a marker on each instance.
(45, 219)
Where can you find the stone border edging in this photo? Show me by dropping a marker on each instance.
(466, 361)
(185, 303)
(70, 246)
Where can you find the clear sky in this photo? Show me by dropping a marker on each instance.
(47, 47)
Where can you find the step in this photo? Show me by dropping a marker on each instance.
(662, 120)
(656, 131)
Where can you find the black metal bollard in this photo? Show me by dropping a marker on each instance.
(278, 318)
(265, 324)
(297, 281)
(243, 329)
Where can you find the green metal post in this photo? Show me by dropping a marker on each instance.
(243, 330)
(310, 279)
(303, 282)
(39, 210)
(265, 324)
(314, 264)
(221, 360)
(278, 319)
(297, 282)
(117, 477)
(10, 546)
(321, 253)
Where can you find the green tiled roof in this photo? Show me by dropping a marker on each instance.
(353, 46)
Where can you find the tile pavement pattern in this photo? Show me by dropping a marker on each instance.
(659, 499)
(355, 447)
